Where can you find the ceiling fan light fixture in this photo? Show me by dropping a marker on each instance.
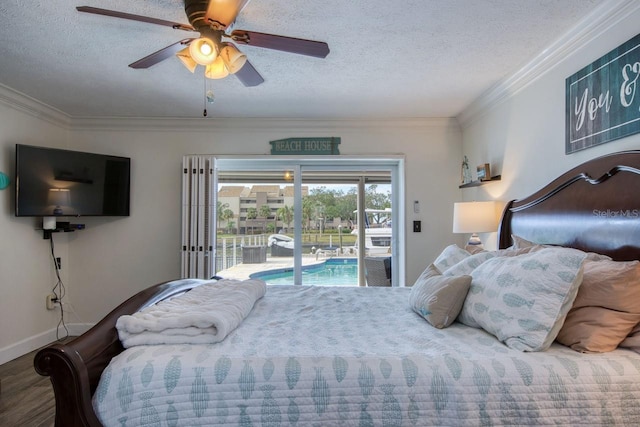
(217, 70)
(185, 57)
(233, 58)
(203, 51)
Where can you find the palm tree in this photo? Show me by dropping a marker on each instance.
(285, 214)
(252, 213)
(307, 211)
(220, 207)
(226, 215)
(264, 212)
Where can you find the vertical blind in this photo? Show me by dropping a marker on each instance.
(198, 216)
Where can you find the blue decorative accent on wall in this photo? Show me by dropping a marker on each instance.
(4, 181)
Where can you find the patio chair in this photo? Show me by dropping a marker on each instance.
(377, 271)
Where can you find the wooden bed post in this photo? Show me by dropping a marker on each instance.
(70, 382)
(75, 367)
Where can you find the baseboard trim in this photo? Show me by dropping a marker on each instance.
(35, 342)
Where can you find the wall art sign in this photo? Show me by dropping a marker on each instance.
(603, 99)
(306, 146)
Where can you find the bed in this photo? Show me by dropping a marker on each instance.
(361, 356)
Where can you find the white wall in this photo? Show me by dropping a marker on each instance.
(523, 136)
(145, 248)
(115, 257)
(26, 267)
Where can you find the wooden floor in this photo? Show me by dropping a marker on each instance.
(26, 398)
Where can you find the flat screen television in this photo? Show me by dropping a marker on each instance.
(56, 182)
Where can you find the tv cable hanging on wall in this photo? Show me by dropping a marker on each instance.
(58, 292)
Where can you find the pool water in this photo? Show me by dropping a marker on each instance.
(333, 272)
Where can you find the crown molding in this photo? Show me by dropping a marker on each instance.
(253, 124)
(20, 102)
(600, 19)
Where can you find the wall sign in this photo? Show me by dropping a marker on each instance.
(603, 99)
(306, 146)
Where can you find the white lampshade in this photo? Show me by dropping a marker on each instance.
(186, 59)
(475, 217)
(217, 70)
(233, 58)
(203, 51)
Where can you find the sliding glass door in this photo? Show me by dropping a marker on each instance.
(298, 221)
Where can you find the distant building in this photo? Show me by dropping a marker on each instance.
(240, 198)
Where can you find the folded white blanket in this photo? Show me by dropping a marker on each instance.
(204, 315)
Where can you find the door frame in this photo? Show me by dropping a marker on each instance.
(395, 164)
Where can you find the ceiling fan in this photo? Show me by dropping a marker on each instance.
(212, 18)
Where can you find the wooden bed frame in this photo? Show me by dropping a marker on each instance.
(593, 207)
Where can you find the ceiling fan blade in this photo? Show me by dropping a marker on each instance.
(224, 11)
(140, 18)
(286, 44)
(249, 76)
(160, 55)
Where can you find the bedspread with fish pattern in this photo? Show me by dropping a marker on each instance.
(349, 356)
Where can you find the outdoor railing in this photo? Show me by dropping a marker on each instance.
(229, 249)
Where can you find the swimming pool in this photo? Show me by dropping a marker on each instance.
(332, 272)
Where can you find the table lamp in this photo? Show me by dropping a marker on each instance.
(475, 217)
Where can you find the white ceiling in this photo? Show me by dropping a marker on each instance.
(388, 59)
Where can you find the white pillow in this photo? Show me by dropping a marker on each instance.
(450, 256)
(523, 300)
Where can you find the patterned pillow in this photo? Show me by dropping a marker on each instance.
(439, 298)
(430, 271)
(450, 256)
(468, 264)
(523, 300)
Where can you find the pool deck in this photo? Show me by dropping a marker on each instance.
(242, 271)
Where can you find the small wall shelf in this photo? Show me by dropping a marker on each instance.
(479, 183)
(47, 233)
(61, 227)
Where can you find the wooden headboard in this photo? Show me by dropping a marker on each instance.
(593, 207)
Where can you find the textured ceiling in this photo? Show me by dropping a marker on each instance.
(398, 59)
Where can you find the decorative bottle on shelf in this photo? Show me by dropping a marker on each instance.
(466, 172)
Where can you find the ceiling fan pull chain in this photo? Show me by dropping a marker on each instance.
(204, 114)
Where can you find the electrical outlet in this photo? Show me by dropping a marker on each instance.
(51, 301)
(417, 226)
